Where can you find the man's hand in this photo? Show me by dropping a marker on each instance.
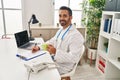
(35, 49)
(51, 49)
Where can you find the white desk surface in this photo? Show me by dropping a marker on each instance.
(12, 68)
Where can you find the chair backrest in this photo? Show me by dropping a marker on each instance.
(75, 66)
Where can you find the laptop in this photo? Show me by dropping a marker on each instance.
(22, 40)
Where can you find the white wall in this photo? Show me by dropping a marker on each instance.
(43, 9)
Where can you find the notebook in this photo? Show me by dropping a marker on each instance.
(22, 40)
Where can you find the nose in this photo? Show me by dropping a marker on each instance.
(61, 18)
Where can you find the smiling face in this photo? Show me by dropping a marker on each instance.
(64, 18)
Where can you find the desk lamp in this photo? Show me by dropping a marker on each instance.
(32, 20)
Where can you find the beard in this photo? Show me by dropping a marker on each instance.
(63, 22)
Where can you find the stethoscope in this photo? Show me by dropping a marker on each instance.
(64, 33)
(60, 41)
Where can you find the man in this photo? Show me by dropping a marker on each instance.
(67, 44)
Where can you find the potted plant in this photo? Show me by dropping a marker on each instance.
(92, 13)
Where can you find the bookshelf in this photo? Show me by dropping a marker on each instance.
(107, 56)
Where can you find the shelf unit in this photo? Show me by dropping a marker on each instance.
(107, 58)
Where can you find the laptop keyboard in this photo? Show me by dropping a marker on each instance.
(28, 45)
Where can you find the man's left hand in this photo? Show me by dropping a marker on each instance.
(51, 49)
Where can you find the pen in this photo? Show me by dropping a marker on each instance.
(21, 57)
(36, 56)
(35, 44)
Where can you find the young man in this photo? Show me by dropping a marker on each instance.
(67, 44)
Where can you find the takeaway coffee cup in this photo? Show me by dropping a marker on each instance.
(44, 46)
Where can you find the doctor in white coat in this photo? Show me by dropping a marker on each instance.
(67, 44)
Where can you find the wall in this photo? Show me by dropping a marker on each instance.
(43, 9)
(48, 32)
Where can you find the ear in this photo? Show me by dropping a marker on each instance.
(71, 17)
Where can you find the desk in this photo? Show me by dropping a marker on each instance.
(12, 68)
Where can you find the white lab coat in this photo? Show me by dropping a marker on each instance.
(68, 49)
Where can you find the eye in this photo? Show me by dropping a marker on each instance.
(59, 15)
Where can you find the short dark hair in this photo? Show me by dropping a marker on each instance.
(66, 8)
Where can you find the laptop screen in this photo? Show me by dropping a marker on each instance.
(21, 38)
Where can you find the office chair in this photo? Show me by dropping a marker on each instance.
(67, 75)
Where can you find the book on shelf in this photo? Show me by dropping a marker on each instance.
(116, 28)
(107, 25)
(101, 68)
(101, 64)
(102, 61)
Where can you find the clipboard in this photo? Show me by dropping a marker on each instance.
(28, 56)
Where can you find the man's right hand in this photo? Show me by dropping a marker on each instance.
(35, 49)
